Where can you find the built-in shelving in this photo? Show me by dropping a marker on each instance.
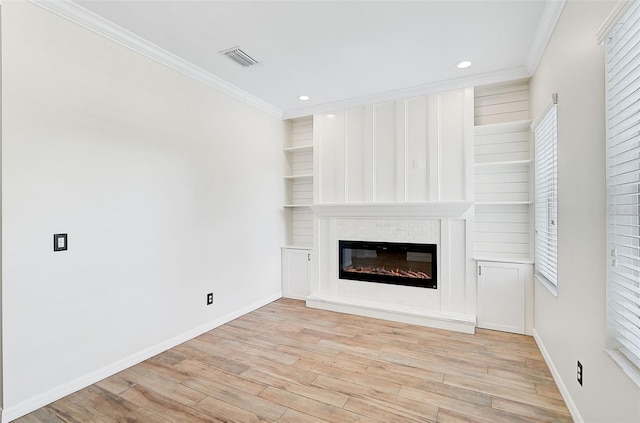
(504, 163)
(298, 181)
(298, 176)
(501, 203)
(299, 149)
(503, 174)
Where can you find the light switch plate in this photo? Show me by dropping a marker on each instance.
(59, 242)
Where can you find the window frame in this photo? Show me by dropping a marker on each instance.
(545, 137)
(622, 70)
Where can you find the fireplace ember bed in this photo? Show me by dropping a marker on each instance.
(389, 262)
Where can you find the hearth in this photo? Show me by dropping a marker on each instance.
(389, 262)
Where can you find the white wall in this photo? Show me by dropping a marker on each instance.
(158, 181)
(571, 327)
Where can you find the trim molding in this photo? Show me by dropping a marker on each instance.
(612, 20)
(575, 414)
(433, 88)
(89, 20)
(440, 210)
(458, 322)
(27, 406)
(550, 15)
(93, 22)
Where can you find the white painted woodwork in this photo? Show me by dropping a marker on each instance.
(302, 132)
(385, 162)
(358, 150)
(451, 125)
(503, 176)
(418, 151)
(444, 224)
(302, 226)
(299, 182)
(503, 230)
(408, 151)
(502, 296)
(296, 272)
(502, 102)
(329, 143)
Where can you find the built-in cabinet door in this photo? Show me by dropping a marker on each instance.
(502, 296)
(296, 273)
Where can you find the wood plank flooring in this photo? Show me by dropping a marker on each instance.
(286, 363)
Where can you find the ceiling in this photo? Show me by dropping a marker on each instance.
(342, 53)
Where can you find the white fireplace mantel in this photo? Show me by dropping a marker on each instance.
(457, 209)
(450, 306)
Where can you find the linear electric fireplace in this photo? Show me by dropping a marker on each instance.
(389, 262)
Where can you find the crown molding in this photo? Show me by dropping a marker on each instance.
(614, 17)
(89, 20)
(436, 87)
(548, 20)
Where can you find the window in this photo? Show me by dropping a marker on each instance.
(545, 132)
(622, 61)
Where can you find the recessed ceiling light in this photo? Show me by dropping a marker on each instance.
(303, 98)
(464, 64)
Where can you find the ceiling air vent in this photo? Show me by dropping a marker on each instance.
(239, 56)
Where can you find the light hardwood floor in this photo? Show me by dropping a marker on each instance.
(287, 363)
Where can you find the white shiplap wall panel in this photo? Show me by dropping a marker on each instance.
(502, 183)
(301, 189)
(302, 230)
(502, 144)
(302, 163)
(302, 132)
(503, 230)
(504, 102)
(502, 172)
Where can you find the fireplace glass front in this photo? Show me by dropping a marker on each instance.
(389, 262)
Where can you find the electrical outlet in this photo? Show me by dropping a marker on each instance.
(580, 373)
(210, 298)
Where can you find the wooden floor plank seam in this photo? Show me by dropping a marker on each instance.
(286, 363)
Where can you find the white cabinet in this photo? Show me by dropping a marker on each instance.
(296, 272)
(504, 296)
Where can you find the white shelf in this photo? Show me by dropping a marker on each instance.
(298, 176)
(501, 203)
(296, 205)
(297, 247)
(299, 149)
(504, 163)
(493, 128)
(504, 258)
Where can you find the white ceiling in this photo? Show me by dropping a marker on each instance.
(344, 53)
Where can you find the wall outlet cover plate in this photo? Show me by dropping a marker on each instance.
(59, 242)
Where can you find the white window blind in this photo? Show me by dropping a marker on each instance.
(546, 195)
(622, 57)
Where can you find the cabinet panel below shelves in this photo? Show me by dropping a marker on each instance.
(502, 296)
(296, 272)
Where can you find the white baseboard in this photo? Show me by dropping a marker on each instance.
(435, 319)
(575, 414)
(61, 391)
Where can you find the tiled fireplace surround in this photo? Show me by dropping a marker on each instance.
(450, 306)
